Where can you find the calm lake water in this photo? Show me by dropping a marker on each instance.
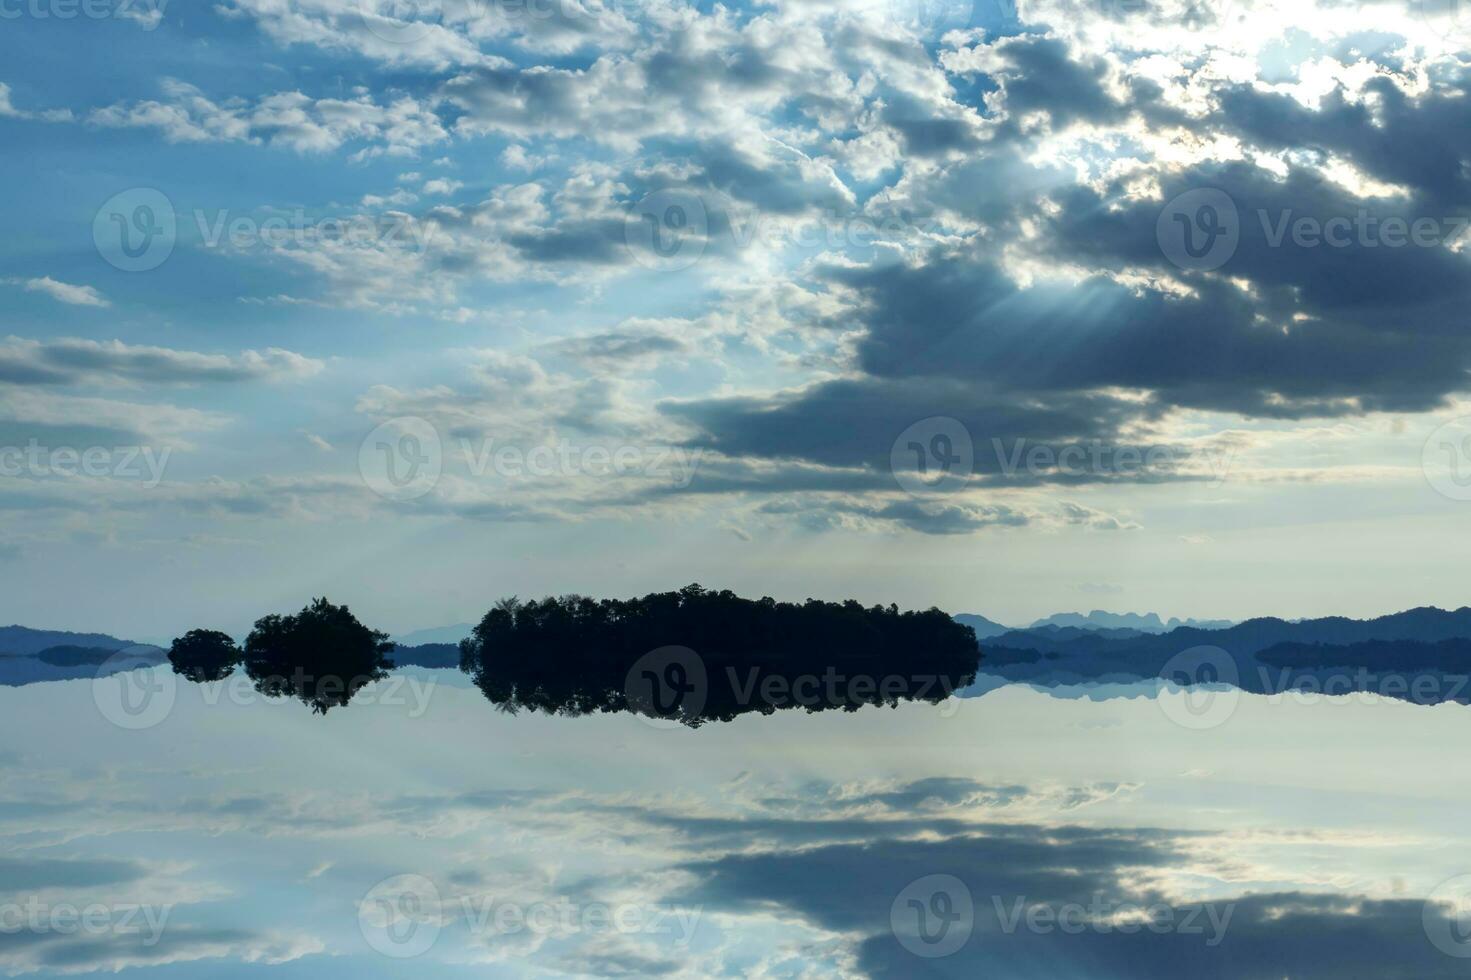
(420, 832)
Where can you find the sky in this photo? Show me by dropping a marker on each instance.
(1008, 309)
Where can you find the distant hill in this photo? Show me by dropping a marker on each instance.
(25, 642)
(983, 627)
(72, 662)
(437, 635)
(426, 655)
(1143, 622)
(1434, 640)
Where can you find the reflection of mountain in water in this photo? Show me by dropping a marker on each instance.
(29, 656)
(1422, 655)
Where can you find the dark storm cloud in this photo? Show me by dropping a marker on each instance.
(35, 874)
(1420, 142)
(1039, 74)
(70, 361)
(850, 887)
(1303, 936)
(854, 422)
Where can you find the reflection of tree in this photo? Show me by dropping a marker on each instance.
(575, 655)
(204, 655)
(321, 655)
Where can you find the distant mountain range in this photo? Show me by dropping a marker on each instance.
(983, 627)
(29, 656)
(439, 634)
(23, 641)
(1097, 620)
(1066, 649)
(1267, 653)
(1143, 622)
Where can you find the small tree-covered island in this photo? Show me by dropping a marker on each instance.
(689, 656)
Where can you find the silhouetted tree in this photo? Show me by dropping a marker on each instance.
(696, 655)
(321, 655)
(204, 655)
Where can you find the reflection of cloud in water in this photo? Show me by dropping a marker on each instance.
(784, 841)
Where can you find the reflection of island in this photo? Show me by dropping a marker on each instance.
(697, 655)
(322, 655)
(690, 656)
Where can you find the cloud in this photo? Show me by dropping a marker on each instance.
(113, 952)
(72, 361)
(63, 292)
(292, 120)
